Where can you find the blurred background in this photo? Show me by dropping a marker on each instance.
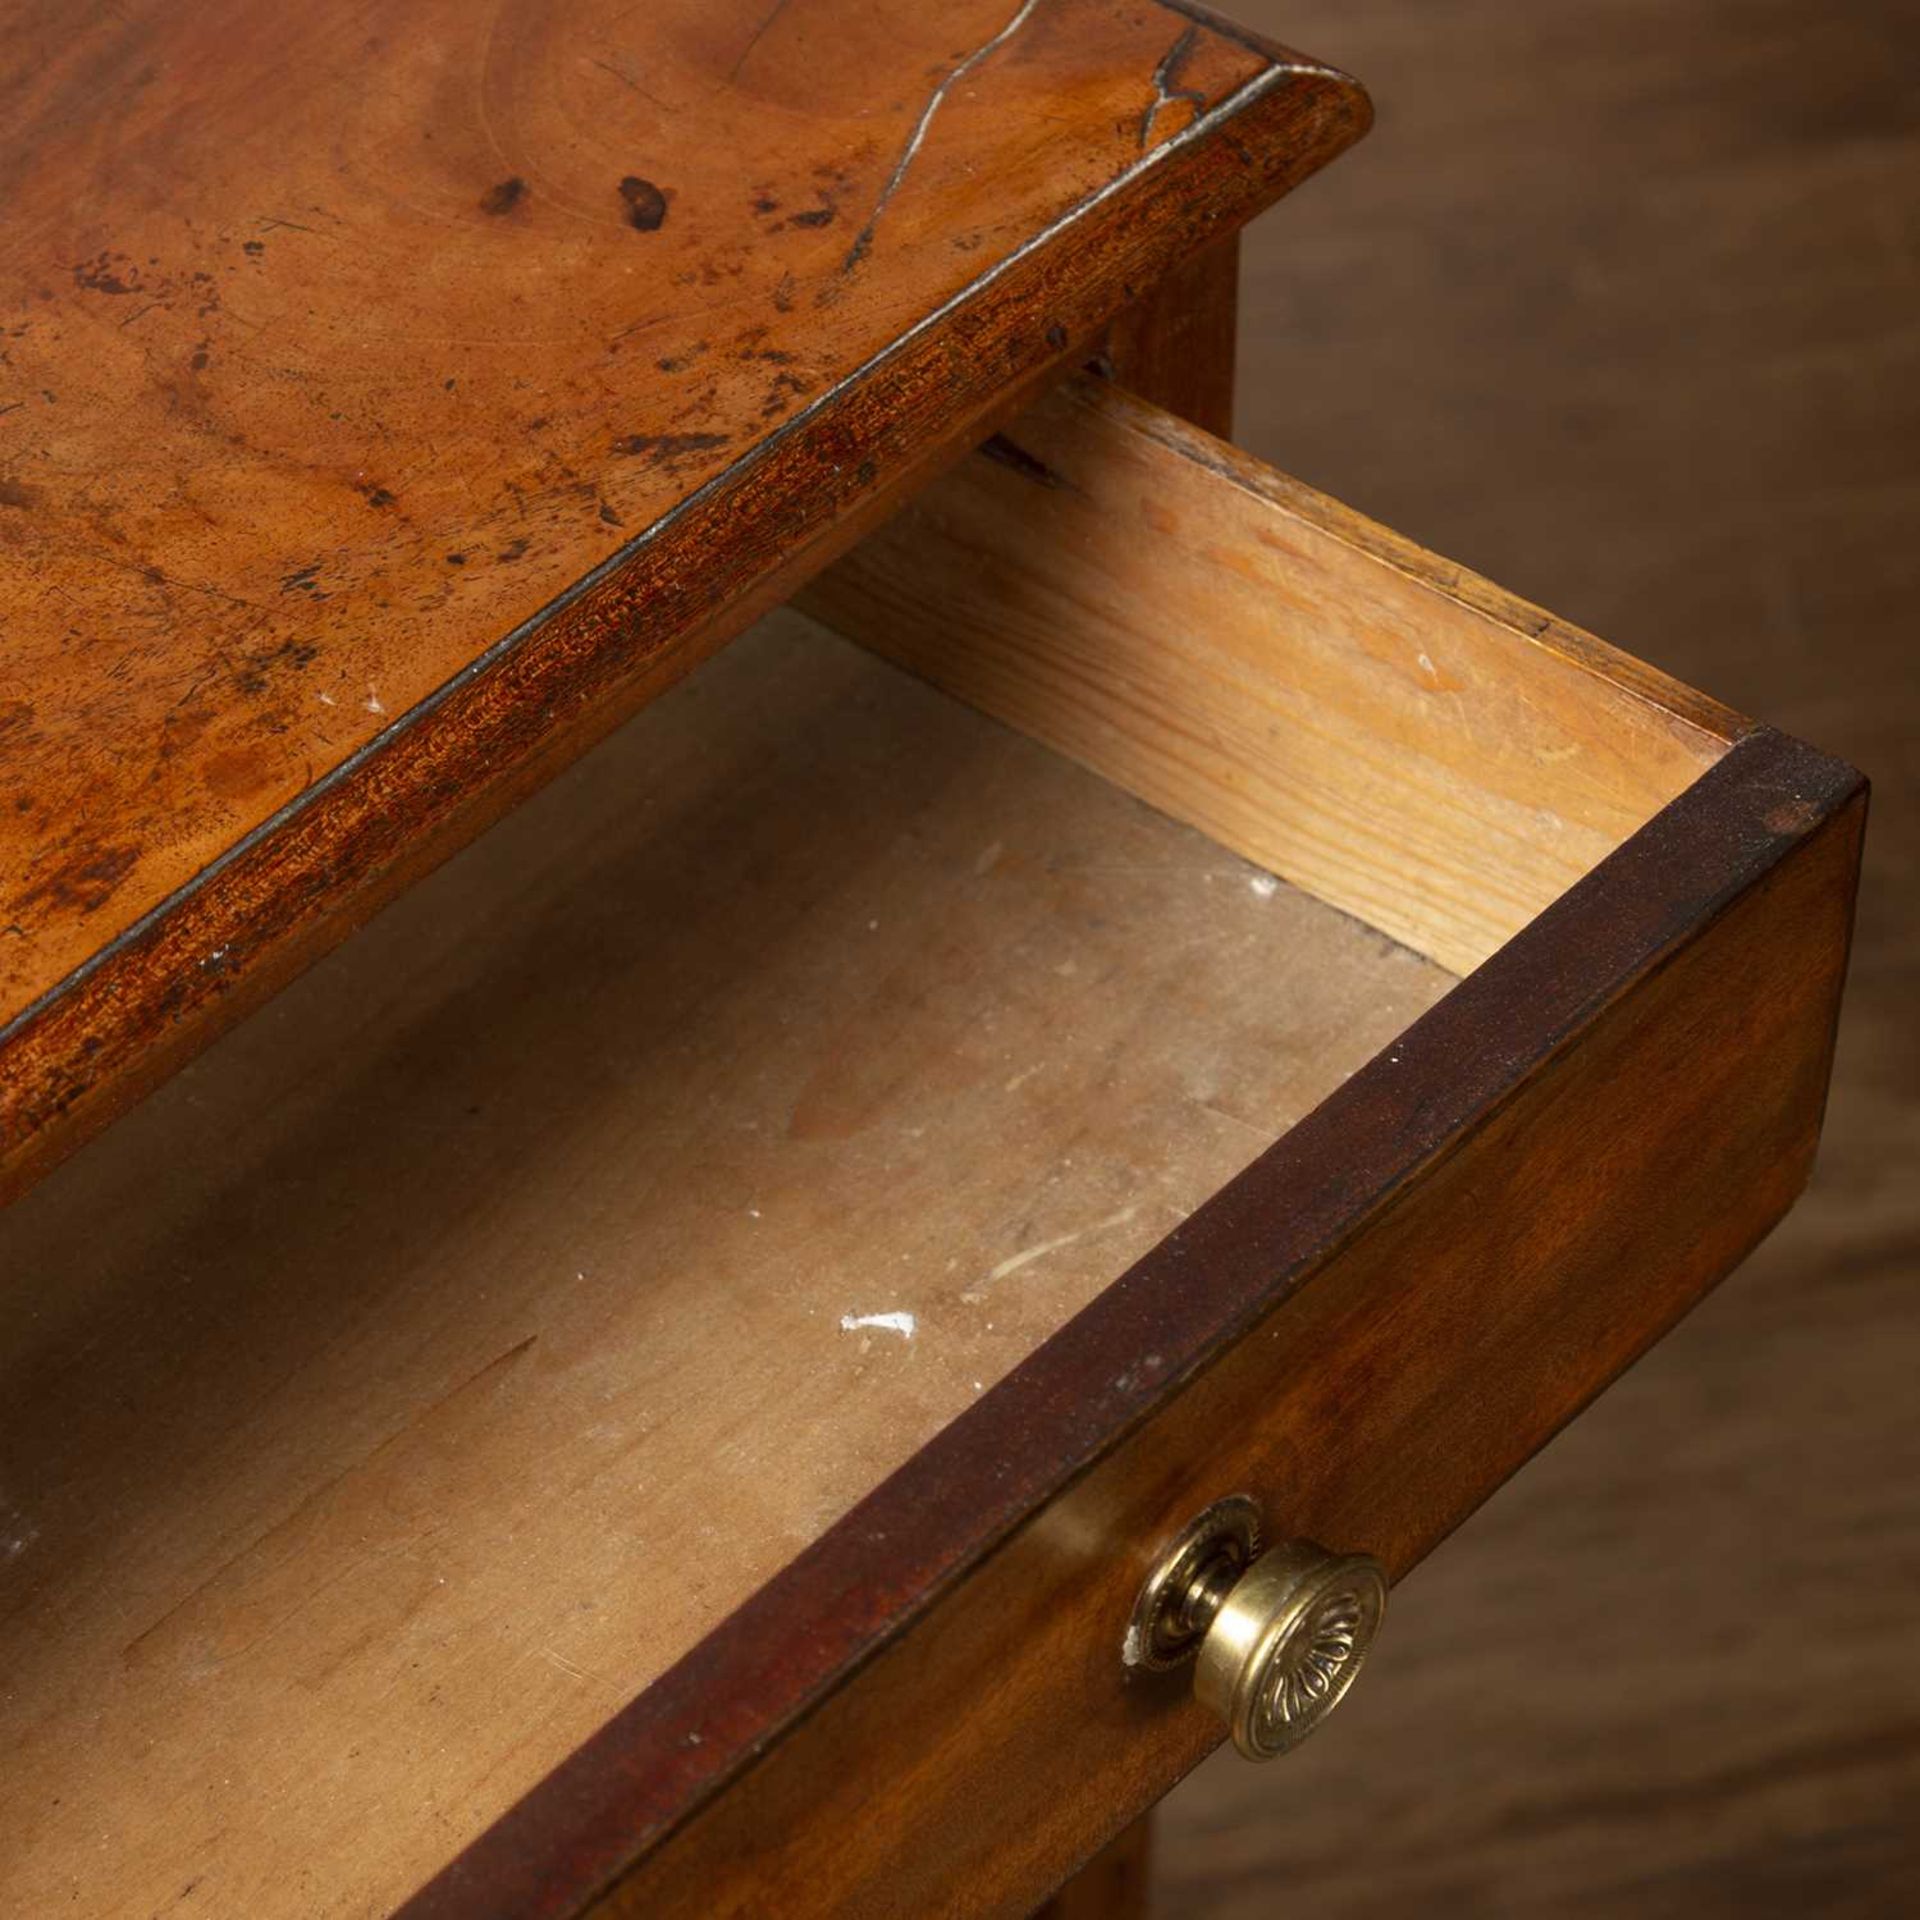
(1620, 304)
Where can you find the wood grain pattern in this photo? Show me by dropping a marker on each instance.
(388, 1361)
(387, 414)
(1395, 736)
(1369, 1330)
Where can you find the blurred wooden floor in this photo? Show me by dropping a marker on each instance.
(1620, 304)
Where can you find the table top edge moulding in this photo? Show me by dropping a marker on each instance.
(173, 854)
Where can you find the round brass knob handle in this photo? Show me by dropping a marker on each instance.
(1277, 1636)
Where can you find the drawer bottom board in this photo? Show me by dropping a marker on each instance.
(402, 1389)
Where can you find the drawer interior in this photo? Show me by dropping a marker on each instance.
(418, 1375)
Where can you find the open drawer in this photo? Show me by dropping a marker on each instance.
(649, 1381)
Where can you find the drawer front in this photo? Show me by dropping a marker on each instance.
(1526, 1228)
(1368, 1330)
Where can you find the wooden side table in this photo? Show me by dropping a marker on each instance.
(913, 1236)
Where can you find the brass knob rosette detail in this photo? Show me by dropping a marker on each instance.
(1276, 1636)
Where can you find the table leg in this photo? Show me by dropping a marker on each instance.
(1113, 1885)
(1176, 346)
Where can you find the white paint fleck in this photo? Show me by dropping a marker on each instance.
(1427, 666)
(373, 700)
(904, 1324)
(1137, 1376)
(1264, 885)
(327, 700)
